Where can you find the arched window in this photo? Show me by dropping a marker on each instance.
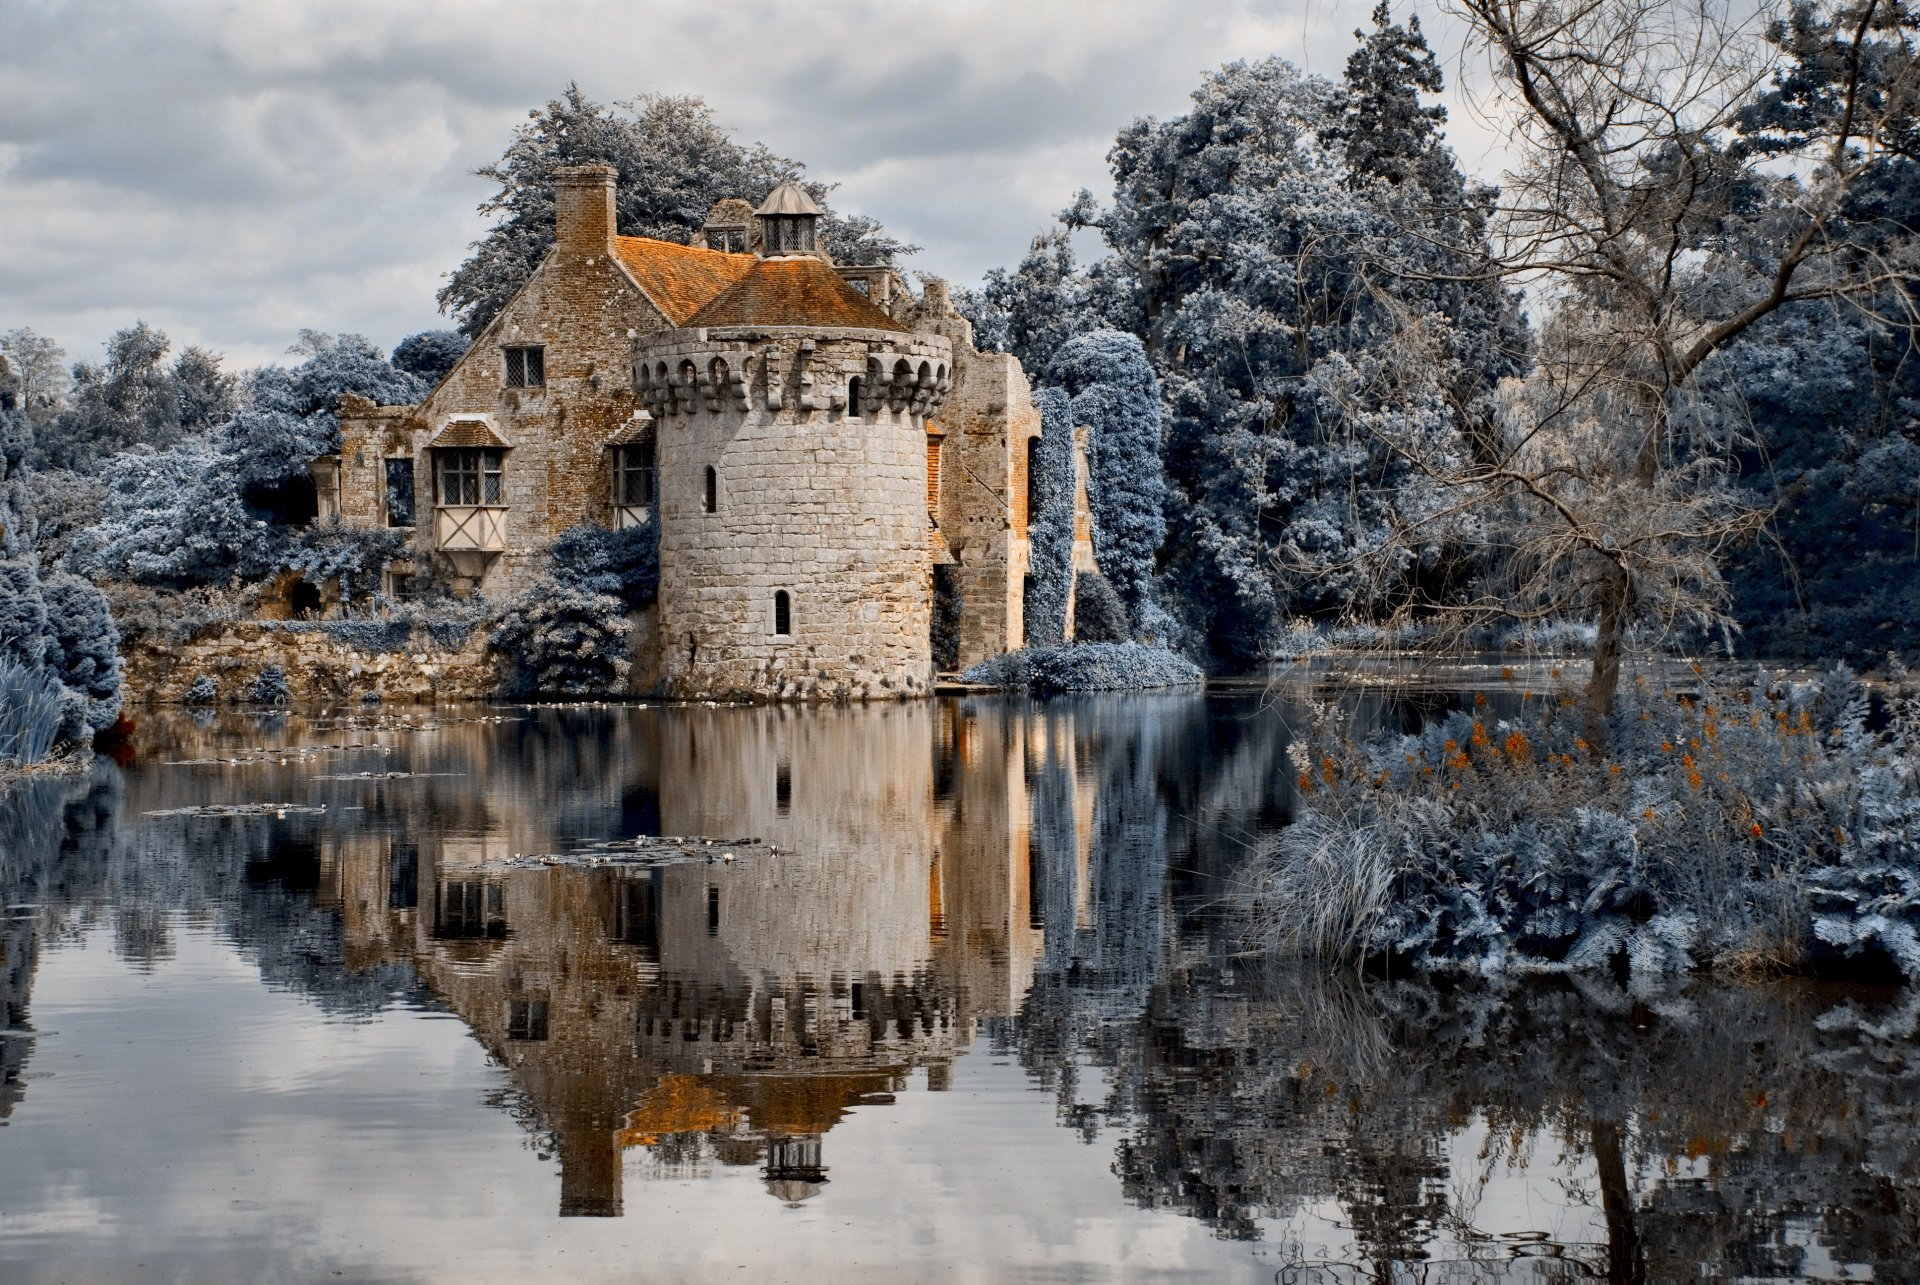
(713, 490)
(853, 398)
(782, 612)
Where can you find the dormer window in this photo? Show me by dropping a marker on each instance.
(526, 367)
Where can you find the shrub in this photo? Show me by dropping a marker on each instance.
(1098, 614)
(270, 687)
(204, 690)
(1769, 825)
(1088, 667)
(620, 564)
(561, 641)
(32, 714)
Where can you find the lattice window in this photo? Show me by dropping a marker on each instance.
(527, 1019)
(468, 475)
(633, 474)
(526, 367)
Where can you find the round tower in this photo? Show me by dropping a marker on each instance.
(795, 537)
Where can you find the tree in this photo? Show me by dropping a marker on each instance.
(55, 625)
(135, 398)
(674, 162)
(1663, 202)
(1117, 396)
(430, 354)
(233, 501)
(40, 366)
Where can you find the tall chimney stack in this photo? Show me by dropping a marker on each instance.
(583, 208)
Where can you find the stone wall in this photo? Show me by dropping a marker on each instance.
(583, 309)
(814, 498)
(319, 667)
(988, 417)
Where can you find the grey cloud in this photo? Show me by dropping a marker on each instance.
(233, 173)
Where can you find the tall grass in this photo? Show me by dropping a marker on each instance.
(31, 715)
(1772, 827)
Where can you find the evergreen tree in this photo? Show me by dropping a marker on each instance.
(1117, 396)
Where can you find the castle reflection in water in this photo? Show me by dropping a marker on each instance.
(724, 1012)
(1054, 884)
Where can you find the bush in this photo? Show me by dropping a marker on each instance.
(270, 687)
(204, 690)
(1769, 826)
(1089, 667)
(620, 564)
(1098, 614)
(32, 714)
(561, 641)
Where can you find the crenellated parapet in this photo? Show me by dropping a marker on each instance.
(800, 373)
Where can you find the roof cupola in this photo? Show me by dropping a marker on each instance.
(787, 221)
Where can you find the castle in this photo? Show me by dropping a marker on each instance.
(824, 453)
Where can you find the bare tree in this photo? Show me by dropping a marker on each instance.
(1676, 181)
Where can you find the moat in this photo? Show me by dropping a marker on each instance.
(961, 991)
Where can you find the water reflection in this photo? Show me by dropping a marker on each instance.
(1050, 884)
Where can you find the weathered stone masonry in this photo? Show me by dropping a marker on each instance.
(856, 439)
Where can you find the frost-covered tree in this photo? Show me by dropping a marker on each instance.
(1665, 199)
(39, 368)
(233, 502)
(1266, 248)
(1050, 526)
(674, 161)
(134, 398)
(1829, 394)
(429, 354)
(1117, 397)
(55, 625)
(1268, 282)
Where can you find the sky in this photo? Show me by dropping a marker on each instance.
(235, 171)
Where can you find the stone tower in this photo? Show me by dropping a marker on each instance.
(790, 415)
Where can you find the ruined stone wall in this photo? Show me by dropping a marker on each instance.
(811, 499)
(988, 417)
(319, 667)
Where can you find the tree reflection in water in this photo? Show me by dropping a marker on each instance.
(1061, 877)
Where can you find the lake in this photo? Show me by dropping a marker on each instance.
(956, 990)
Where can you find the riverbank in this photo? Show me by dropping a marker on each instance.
(1773, 827)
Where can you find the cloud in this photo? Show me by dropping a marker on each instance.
(234, 171)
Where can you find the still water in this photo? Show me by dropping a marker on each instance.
(961, 993)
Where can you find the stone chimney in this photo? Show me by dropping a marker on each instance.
(583, 208)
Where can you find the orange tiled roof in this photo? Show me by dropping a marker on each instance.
(680, 279)
(795, 291)
(468, 432)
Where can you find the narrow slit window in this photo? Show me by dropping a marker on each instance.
(713, 490)
(526, 367)
(853, 398)
(782, 612)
